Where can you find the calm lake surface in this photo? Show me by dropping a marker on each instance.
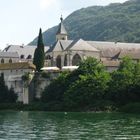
(68, 126)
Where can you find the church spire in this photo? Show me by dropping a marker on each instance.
(61, 33)
(61, 18)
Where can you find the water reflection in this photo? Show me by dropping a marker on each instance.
(70, 126)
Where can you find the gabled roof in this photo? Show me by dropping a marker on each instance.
(56, 47)
(18, 65)
(108, 49)
(65, 43)
(112, 49)
(23, 50)
(80, 45)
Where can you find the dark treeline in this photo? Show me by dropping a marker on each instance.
(6, 95)
(92, 88)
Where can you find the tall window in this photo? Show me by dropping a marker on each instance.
(65, 60)
(2, 60)
(10, 60)
(76, 60)
(58, 61)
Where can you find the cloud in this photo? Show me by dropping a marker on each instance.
(44, 4)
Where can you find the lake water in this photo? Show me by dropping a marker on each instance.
(68, 126)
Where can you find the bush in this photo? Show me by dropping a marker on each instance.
(131, 108)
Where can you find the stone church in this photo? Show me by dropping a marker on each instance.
(66, 52)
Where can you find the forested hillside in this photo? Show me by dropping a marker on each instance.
(115, 22)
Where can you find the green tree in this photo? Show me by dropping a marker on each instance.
(134, 89)
(39, 55)
(12, 96)
(122, 80)
(90, 66)
(90, 87)
(3, 89)
(79, 88)
(54, 92)
(6, 95)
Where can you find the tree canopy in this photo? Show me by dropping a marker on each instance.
(92, 87)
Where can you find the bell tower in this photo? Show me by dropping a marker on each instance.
(61, 33)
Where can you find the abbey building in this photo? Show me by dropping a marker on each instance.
(16, 60)
(66, 52)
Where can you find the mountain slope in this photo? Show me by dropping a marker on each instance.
(116, 22)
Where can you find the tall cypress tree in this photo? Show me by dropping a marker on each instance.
(39, 55)
(40, 43)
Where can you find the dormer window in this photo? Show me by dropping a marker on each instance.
(22, 56)
(21, 47)
(29, 57)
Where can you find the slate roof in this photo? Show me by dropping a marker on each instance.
(56, 47)
(65, 43)
(61, 29)
(108, 49)
(19, 65)
(9, 55)
(133, 54)
(60, 45)
(80, 45)
(112, 49)
(23, 50)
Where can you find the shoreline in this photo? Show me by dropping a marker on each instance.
(129, 108)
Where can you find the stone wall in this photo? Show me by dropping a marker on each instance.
(39, 82)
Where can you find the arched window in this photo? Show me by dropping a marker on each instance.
(22, 56)
(10, 60)
(65, 60)
(58, 61)
(29, 56)
(2, 60)
(76, 60)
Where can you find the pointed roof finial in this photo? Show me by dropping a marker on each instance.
(61, 18)
(61, 28)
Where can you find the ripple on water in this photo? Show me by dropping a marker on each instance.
(73, 126)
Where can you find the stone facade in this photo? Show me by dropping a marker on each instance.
(39, 82)
(25, 52)
(13, 73)
(9, 57)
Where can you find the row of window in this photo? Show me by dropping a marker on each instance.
(28, 57)
(75, 60)
(2, 61)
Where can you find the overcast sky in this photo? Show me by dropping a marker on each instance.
(20, 20)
